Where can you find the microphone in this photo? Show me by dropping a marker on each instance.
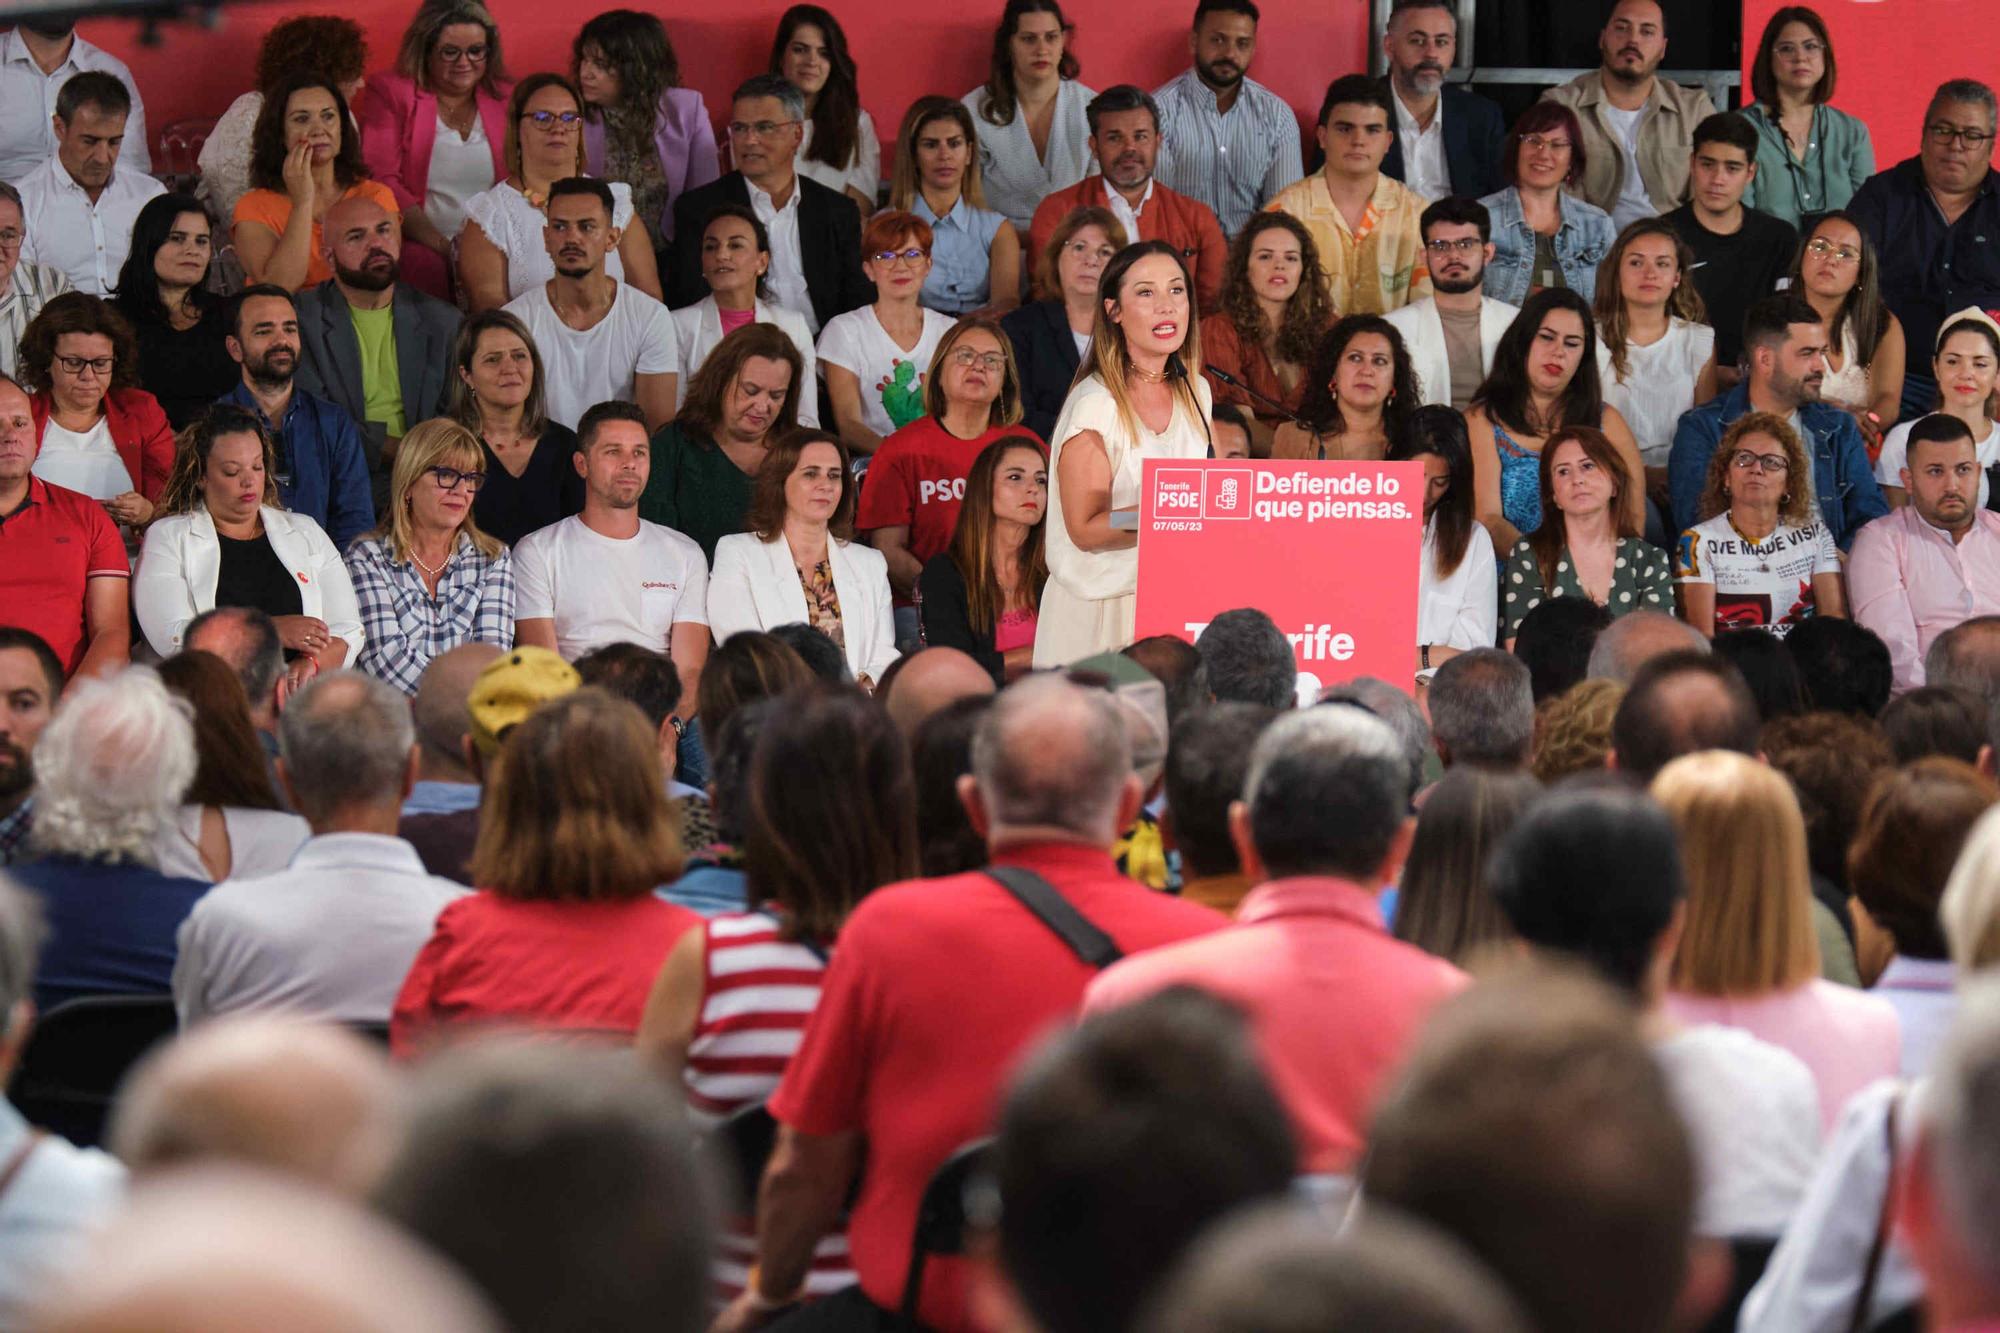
(1236, 383)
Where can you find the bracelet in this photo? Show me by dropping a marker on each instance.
(1424, 656)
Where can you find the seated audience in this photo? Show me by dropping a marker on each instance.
(1681, 703)
(31, 679)
(222, 539)
(1748, 957)
(639, 125)
(797, 563)
(539, 1170)
(1117, 1144)
(1760, 557)
(740, 401)
(1635, 639)
(1769, 669)
(1264, 325)
(370, 343)
(606, 575)
(1833, 761)
(838, 146)
(1784, 357)
(1586, 545)
(305, 156)
(1811, 157)
(1380, 267)
(41, 57)
(428, 579)
(322, 468)
(1031, 82)
(502, 253)
(936, 177)
(58, 1193)
(981, 594)
(1968, 368)
(879, 359)
(1533, 1123)
(1051, 785)
(816, 242)
(1594, 875)
(930, 680)
(1125, 142)
(1740, 254)
(1437, 154)
(1229, 428)
(1444, 905)
(1358, 396)
(434, 130)
(163, 293)
(331, 934)
(499, 393)
(649, 679)
(230, 822)
(1458, 592)
(330, 45)
(1545, 233)
(1935, 562)
(602, 339)
(445, 781)
(1208, 756)
(735, 256)
(1317, 880)
(1656, 352)
(941, 754)
(24, 288)
(98, 433)
(1543, 381)
(1845, 666)
(576, 836)
(109, 773)
(1557, 640)
(1482, 710)
(1452, 333)
(1573, 729)
(78, 205)
(1051, 334)
(917, 479)
(1247, 659)
(1940, 720)
(713, 882)
(1942, 1208)
(1968, 656)
(1835, 270)
(247, 640)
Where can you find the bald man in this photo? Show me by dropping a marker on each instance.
(930, 680)
(369, 342)
(1636, 638)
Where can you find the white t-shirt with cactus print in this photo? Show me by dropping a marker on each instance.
(892, 380)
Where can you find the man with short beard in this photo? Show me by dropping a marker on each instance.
(36, 60)
(1638, 128)
(31, 681)
(1451, 333)
(373, 345)
(1448, 140)
(1225, 138)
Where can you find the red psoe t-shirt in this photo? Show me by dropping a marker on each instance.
(917, 481)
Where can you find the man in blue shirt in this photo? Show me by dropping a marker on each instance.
(1784, 346)
(322, 471)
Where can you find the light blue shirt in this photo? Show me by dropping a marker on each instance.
(60, 1193)
(441, 798)
(708, 890)
(961, 255)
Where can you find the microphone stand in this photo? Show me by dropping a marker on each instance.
(1272, 403)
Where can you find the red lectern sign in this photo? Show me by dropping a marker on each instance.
(1328, 550)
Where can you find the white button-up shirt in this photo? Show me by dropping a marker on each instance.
(1424, 168)
(59, 1196)
(1128, 216)
(67, 231)
(787, 278)
(28, 103)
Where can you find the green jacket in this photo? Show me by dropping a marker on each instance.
(1839, 156)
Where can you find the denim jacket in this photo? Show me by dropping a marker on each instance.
(1848, 495)
(1584, 238)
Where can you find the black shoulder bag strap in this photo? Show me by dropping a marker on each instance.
(1053, 910)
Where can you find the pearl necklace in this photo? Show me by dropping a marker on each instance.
(418, 561)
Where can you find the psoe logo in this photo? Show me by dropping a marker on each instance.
(1177, 492)
(1229, 491)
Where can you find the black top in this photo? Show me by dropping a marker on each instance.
(1930, 269)
(188, 370)
(1732, 272)
(829, 245)
(547, 491)
(946, 623)
(252, 575)
(1045, 351)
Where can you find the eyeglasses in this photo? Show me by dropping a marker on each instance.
(471, 55)
(548, 120)
(99, 365)
(1839, 254)
(1464, 245)
(965, 356)
(910, 256)
(1744, 461)
(11, 239)
(1940, 133)
(448, 479)
(1805, 48)
(757, 129)
(1538, 143)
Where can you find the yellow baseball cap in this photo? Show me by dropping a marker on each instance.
(513, 687)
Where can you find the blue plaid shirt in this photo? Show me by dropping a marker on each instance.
(14, 827)
(405, 627)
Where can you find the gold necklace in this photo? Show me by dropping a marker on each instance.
(1146, 376)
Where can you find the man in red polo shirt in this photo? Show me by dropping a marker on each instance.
(1334, 1000)
(1125, 136)
(937, 988)
(63, 569)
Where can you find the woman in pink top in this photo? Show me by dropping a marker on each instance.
(1748, 957)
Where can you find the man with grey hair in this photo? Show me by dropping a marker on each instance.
(1968, 656)
(1636, 638)
(1948, 1212)
(24, 288)
(1248, 660)
(247, 639)
(1483, 710)
(1323, 826)
(55, 1192)
(1396, 710)
(333, 934)
(897, 1025)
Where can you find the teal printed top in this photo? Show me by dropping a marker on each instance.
(1641, 576)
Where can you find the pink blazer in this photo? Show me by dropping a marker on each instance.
(399, 127)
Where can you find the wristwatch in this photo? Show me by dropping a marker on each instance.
(1424, 656)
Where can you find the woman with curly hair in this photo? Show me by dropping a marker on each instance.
(1655, 349)
(305, 157)
(1274, 308)
(1357, 397)
(640, 127)
(320, 44)
(838, 146)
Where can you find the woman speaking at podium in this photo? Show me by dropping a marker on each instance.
(1138, 394)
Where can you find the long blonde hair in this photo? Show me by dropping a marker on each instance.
(1110, 360)
(906, 182)
(439, 442)
(1743, 845)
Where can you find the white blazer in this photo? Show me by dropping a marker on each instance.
(181, 560)
(698, 328)
(1423, 335)
(754, 585)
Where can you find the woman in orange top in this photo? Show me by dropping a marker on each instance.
(1273, 312)
(304, 158)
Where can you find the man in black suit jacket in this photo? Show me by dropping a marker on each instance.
(364, 245)
(1420, 43)
(815, 233)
